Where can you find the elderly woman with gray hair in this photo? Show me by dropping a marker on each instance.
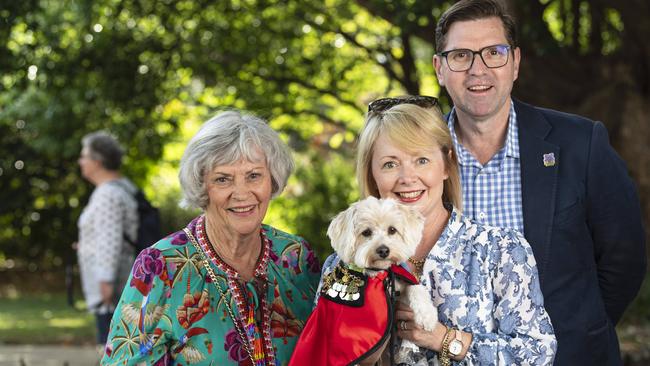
(227, 289)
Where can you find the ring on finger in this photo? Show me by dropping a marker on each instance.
(402, 325)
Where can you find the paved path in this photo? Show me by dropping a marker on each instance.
(27, 355)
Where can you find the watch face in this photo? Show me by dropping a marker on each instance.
(455, 347)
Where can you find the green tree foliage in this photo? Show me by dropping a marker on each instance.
(150, 70)
(62, 77)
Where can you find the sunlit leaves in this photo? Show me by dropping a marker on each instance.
(318, 190)
(20, 37)
(612, 35)
(152, 71)
(574, 27)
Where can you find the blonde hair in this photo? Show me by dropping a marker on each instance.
(411, 128)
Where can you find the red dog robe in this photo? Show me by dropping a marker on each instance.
(353, 317)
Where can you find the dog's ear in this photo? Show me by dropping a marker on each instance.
(414, 224)
(341, 233)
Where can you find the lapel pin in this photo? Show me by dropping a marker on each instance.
(549, 159)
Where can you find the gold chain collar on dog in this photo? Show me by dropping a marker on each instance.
(342, 275)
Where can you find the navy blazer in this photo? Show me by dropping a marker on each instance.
(583, 220)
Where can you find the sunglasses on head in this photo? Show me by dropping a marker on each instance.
(384, 104)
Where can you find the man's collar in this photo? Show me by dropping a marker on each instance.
(512, 134)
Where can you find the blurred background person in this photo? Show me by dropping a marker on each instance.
(227, 289)
(104, 256)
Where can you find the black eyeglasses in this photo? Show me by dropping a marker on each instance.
(462, 59)
(383, 104)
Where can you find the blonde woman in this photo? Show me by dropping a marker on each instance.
(482, 279)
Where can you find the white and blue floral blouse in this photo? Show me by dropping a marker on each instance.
(484, 281)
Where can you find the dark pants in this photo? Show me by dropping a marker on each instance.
(103, 322)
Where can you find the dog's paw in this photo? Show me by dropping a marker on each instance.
(424, 311)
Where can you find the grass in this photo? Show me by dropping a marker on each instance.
(44, 319)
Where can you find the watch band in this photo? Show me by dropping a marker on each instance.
(443, 356)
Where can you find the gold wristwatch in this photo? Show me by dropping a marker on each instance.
(456, 345)
(443, 356)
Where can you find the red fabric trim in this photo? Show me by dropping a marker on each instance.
(404, 274)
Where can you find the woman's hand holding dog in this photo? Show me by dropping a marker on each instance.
(408, 329)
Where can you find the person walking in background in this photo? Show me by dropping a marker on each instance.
(227, 289)
(551, 175)
(104, 256)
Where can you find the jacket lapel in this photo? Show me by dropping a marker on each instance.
(538, 181)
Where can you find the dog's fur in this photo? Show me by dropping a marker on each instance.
(375, 233)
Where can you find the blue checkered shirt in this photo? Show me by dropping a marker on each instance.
(492, 192)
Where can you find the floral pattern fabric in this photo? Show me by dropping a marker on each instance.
(171, 313)
(484, 281)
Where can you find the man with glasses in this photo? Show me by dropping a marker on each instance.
(551, 175)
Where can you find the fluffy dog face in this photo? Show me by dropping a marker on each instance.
(375, 233)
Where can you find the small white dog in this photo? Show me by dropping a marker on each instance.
(374, 234)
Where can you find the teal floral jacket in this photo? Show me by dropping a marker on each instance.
(171, 313)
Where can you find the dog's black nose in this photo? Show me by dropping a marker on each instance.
(383, 251)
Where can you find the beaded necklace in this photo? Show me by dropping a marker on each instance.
(258, 341)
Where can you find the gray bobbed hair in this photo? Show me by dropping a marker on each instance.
(225, 139)
(105, 148)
